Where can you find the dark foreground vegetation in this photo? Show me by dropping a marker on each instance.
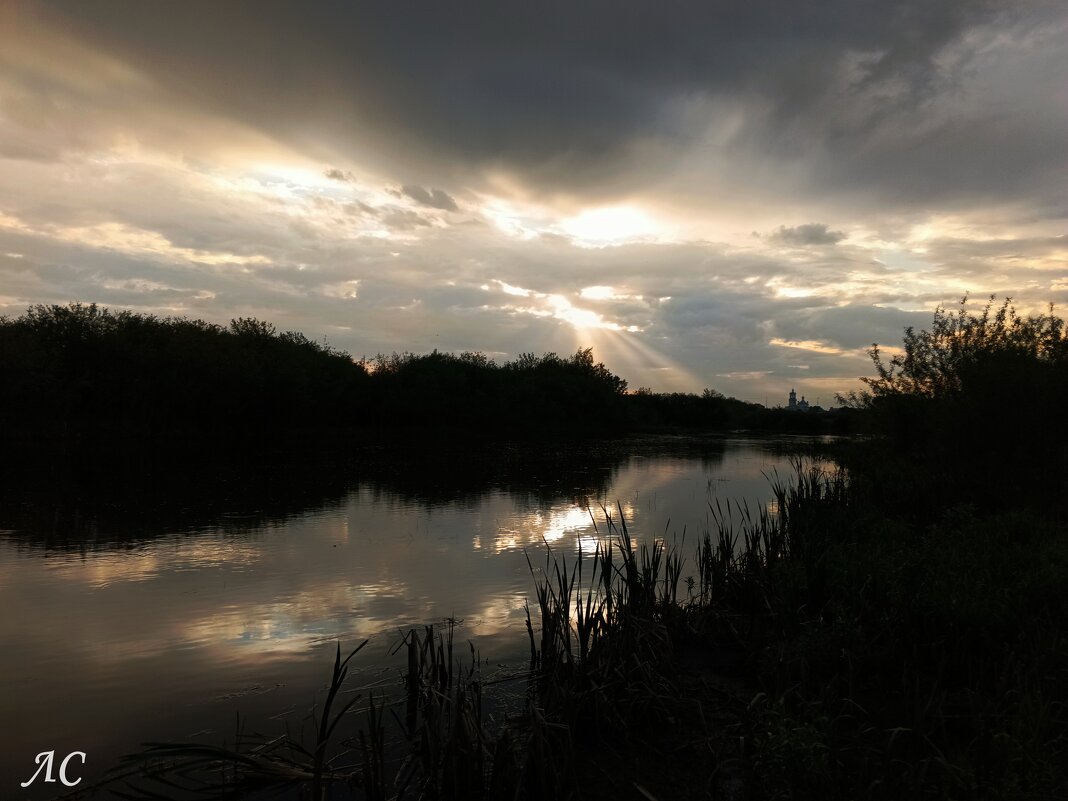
(80, 373)
(892, 628)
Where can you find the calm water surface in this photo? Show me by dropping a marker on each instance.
(130, 621)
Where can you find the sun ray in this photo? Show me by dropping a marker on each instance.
(627, 353)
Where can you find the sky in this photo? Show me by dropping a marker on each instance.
(741, 196)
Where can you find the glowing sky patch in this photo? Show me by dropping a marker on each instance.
(129, 240)
(609, 225)
(564, 309)
(605, 293)
(518, 291)
(557, 307)
(808, 344)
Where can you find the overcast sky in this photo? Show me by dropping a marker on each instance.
(740, 195)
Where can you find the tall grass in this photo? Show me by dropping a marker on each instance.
(603, 657)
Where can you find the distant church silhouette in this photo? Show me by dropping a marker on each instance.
(795, 404)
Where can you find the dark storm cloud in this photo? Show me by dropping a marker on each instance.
(435, 198)
(807, 234)
(853, 327)
(588, 96)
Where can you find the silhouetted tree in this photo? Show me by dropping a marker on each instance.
(974, 407)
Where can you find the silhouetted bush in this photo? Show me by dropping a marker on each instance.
(565, 392)
(80, 370)
(972, 411)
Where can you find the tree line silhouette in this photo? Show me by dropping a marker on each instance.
(82, 371)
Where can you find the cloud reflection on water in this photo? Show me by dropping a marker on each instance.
(194, 615)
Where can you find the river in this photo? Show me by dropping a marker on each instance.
(169, 607)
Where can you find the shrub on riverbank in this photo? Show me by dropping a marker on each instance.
(969, 412)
